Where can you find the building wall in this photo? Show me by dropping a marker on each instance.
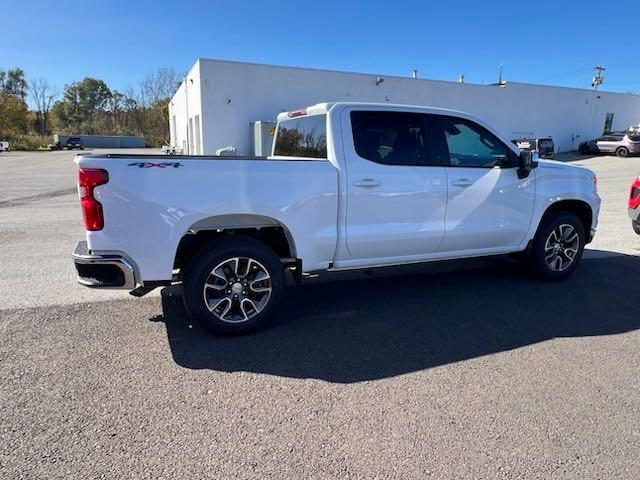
(185, 114)
(228, 96)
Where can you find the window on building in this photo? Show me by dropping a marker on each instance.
(390, 138)
(196, 121)
(304, 137)
(608, 122)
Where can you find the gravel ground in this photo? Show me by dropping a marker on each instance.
(458, 371)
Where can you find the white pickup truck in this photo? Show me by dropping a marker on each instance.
(349, 186)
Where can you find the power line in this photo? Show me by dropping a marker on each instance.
(566, 74)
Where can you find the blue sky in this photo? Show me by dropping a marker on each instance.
(553, 42)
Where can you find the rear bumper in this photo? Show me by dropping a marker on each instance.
(103, 270)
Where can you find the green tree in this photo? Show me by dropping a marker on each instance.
(13, 82)
(80, 104)
(13, 115)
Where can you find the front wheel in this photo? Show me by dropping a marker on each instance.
(557, 247)
(622, 152)
(233, 285)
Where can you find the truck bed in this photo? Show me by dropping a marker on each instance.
(151, 201)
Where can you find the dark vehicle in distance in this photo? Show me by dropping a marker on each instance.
(74, 142)
(543, 146)
(71, 144)
(620, 143)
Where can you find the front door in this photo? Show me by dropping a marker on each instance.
(396, 199)
(488, 207)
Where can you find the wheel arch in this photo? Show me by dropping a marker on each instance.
(268, 230)
(580, 208)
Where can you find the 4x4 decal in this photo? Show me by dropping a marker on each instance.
(159, 165)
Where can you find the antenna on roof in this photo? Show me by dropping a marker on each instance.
(461, 78)
(414, 73)
(500, 75)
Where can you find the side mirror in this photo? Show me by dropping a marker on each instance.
(527, 162)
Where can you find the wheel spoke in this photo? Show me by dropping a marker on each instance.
(566, 230)
(260, 277)
(557, 262)
(220, 301)
(251, 303)
(571, 253)
(219, 273)
(573, 238)
(235, 262)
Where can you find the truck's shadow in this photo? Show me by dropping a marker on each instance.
(357, 330)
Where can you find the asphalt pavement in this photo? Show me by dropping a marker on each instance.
(463, 370)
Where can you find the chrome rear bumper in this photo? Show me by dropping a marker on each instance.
(103, 270)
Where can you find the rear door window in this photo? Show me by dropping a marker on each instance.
(302, 137)
(390, 138)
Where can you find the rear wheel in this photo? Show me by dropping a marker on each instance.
(233, 285)
(557, 247)
(622, 151)
(636, 226)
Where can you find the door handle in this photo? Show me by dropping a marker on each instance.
(462, 182)
(367, 183)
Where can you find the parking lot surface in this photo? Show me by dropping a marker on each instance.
(464, 370)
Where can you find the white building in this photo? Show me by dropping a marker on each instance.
(215, 105)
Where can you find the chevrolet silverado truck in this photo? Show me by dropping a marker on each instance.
(348, 186)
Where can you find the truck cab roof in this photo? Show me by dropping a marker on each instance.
(326, 107)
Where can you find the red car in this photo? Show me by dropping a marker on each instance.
(634, 205)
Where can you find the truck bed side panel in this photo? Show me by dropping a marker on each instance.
(148, 209)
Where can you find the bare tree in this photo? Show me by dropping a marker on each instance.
(158, 87)
(43, 96)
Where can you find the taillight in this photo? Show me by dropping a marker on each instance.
(634, 195)
(88, 179)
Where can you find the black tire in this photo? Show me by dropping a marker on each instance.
(538, 263)
(636, 226)
(198, 273)
(622, 152)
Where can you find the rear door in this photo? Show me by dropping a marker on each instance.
(489, 208)
(396, 195)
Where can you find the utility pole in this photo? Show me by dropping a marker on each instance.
(597, 78)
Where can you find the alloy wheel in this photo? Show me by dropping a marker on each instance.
(237, 289)
(562, 247)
